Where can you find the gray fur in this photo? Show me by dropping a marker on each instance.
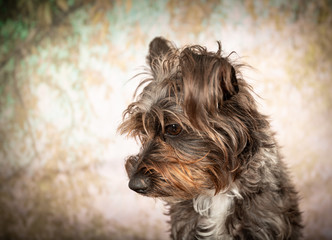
(207, 151)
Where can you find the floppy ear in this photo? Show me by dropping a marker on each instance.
(158, 47)
(228, 80)
(208, 81)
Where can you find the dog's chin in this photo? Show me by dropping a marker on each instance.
(176, 196)
(172, 199)
(171, 196)
(163, 190)
(176, 199)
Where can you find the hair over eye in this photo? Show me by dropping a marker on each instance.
(173, 129)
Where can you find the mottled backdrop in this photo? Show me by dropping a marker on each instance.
(65, 70)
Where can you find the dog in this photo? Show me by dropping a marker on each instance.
(206, 149)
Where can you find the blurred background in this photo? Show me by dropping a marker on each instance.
(65, 70)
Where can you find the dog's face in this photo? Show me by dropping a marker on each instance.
(188, 121)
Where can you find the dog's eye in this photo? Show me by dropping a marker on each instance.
(173, 129)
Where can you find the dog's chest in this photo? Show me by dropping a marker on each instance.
(213, 211)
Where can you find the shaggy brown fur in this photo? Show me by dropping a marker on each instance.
(207, 151)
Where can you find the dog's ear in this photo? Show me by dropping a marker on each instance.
(228, 80)
(158, 47)
(208, 81)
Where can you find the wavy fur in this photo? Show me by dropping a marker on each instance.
(221, 174)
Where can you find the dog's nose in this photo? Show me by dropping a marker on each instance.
(139, 183)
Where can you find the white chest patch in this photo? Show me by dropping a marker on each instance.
(214, 209)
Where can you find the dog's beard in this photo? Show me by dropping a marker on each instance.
(180, 167)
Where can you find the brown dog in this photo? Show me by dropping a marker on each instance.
(207, 151)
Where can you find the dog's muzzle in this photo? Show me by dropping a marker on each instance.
(140, 183)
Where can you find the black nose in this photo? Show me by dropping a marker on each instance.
(139, 183)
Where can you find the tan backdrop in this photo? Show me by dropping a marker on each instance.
(64, 87)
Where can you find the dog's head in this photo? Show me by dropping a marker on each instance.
(195, 120)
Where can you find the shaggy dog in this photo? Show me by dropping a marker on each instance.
(206, 149)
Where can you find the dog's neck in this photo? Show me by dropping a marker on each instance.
(214, 210)
(201, 218)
